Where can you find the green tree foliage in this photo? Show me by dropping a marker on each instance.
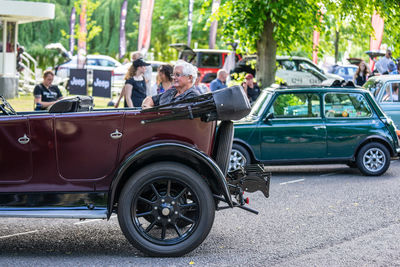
(169, 26)
(269, 26)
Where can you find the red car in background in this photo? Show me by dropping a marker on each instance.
(208, 61)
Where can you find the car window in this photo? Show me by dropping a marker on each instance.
(346, 105)
(373, 86)
(391, 93)
(297, 105)
(91, 62)
(305, 66)
(106, 63)
(287, 65)
(351, 71)
(261, 102)
(341, 71)
(210, 60)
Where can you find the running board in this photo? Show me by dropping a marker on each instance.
(98, 213)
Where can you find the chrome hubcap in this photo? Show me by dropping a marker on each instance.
(374, 159)
(237, 160)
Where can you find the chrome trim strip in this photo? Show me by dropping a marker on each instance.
(57, 213)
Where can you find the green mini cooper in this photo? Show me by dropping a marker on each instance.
(316, 126)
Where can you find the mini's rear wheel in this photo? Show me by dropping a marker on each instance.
(166, 209)
(373, 159)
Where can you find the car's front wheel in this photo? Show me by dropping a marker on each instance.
(166, 209)
(373, 159)
(240, 157)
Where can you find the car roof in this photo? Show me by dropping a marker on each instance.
(213, 50)
(316, 89)
(385, 78)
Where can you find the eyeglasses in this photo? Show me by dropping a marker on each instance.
(177, 75)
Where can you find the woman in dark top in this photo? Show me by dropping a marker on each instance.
(135, 84)
(361, 75)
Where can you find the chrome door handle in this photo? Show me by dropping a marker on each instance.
(319, 127)
(116, 134)
(24, 139)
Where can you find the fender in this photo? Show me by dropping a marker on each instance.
(392, 151)
(183, 151)
(246, 145)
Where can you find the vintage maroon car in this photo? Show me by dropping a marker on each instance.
(162, 170)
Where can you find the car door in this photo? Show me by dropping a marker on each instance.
(15, 150)
(296, 131)
(388, 99)
(349, 120)
(87, 144)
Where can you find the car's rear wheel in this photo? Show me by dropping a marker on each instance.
(373, 159)
(166, 209)
(240, 157)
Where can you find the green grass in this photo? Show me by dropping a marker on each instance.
(25, 102)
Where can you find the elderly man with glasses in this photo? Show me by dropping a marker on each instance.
(184, 77)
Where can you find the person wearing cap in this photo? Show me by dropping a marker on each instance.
(184, 77)
(220, 81)
(253, 91)
(135, 55)
(135, 84)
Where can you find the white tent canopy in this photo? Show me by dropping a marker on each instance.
(24, 12)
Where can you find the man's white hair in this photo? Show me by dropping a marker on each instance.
(187, 69)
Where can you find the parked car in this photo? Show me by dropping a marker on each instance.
(293, 70)
(93, 62)
(162, 170)
(208, 61)
(385, 89)
(345, 71)
(315, 126)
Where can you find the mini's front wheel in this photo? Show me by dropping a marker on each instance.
(166, 209)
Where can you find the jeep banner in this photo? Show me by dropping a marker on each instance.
(77, 84)
(101, 83)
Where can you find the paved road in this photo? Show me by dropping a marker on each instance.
(315, 216)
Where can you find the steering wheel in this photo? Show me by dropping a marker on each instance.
(5, 107)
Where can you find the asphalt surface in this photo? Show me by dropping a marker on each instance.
(327, 215)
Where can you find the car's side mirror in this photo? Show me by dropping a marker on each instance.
(269, 116)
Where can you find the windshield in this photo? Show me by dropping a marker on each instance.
(374, 86)
(261, 101)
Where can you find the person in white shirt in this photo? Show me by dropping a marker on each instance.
(382, 64)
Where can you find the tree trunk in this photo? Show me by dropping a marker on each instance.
(266, 47)
(337, 47)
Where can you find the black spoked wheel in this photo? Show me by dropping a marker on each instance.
(166, 209)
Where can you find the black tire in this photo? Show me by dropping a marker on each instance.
(158, 221)
(239, 157)
(224, 145)
(373, 159)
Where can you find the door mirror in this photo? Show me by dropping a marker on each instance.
(269, 116)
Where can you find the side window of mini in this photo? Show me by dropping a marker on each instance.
(346, 105)
(391, 93)
(296, 105)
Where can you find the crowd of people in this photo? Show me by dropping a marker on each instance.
(385, 65)
(173, 83)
